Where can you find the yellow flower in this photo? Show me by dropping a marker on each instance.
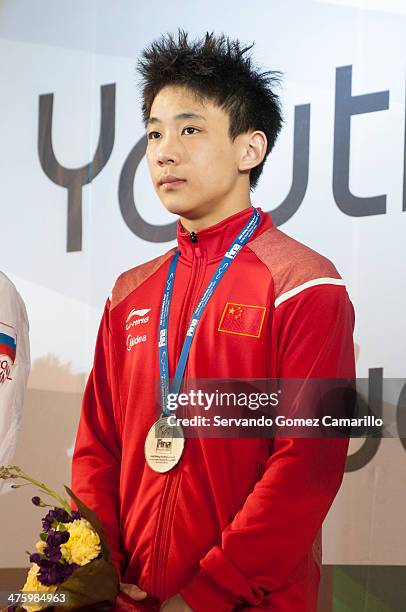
(83, 544)
(40, 545)
(33, 584)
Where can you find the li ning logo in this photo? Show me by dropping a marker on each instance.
(141, 318)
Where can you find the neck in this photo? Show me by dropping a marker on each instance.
(210, 218)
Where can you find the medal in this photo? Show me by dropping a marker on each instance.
(164, 443)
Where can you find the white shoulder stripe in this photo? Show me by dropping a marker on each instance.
(311, 283)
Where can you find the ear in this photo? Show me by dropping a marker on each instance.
(253, 150)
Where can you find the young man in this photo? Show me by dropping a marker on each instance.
(229, 523)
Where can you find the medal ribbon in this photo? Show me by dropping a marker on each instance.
(229, 256)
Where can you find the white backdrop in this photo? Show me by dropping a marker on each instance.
(72, 49)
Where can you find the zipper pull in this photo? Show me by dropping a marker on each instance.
(194, 239)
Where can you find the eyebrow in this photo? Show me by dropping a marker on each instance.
(180, 116)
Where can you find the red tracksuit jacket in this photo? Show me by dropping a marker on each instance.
(236, 524)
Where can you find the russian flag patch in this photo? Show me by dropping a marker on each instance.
(8, 345)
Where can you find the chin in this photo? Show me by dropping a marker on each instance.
(181, 209)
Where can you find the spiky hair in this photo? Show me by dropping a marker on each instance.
(214, 68)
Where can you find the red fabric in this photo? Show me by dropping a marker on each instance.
(233, 524)
(124, 603)
(242, 319)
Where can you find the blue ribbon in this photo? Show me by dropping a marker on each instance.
(228, 258)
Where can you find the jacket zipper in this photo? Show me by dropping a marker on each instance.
(169, 494)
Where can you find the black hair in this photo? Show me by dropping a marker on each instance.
(214, 68)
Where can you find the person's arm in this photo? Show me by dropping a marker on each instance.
(97, 454)
(14, 367)
(275, 528)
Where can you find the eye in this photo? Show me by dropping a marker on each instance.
(150, 134)
(191, 128)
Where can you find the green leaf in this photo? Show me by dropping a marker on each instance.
(93, 519)
(43, 536)
(94, 584)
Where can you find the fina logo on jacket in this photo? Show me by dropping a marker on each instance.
(141, 317)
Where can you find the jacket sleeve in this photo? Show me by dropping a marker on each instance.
(97, 453)
(275, 529)
(15, 364)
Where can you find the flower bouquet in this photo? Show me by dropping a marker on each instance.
(72, 564)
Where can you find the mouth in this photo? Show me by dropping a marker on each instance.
(172, 184)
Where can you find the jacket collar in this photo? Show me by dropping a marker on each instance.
(214, 241)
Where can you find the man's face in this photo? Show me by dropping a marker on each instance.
(195, 149)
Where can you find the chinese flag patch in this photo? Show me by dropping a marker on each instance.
(242, 319)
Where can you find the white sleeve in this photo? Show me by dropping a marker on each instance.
(14, 366)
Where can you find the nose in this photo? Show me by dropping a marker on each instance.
(167, 150)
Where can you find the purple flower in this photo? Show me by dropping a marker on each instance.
(48, 520)
(35, 558)
(52, 572)
(67, 570)
(57, 514)
(53, 553)
(36, 500)
(75, 515)
(62, 516)
(54, 540)
(48, 572)
(53, 537)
